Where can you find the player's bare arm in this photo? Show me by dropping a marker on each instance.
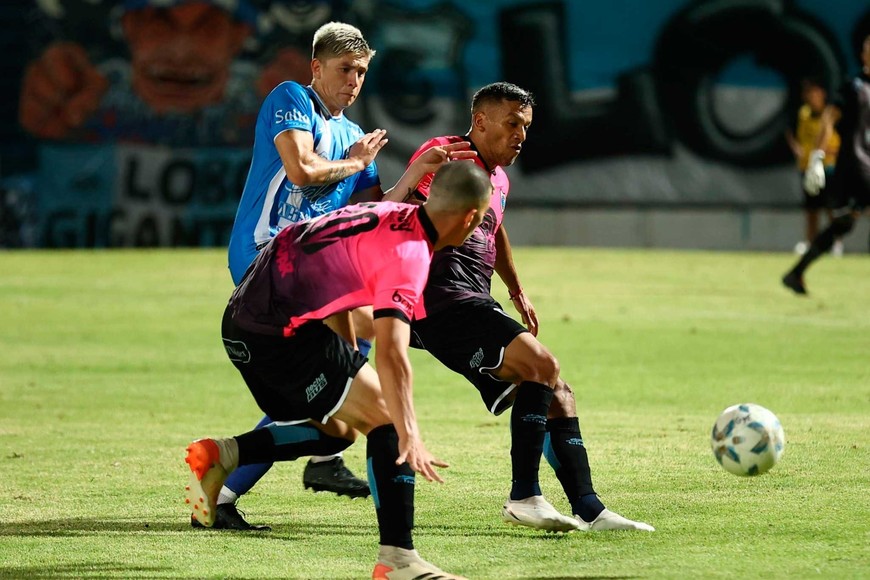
(504, 266)
(305, 167)
(374, 193)
(396, 377)
(428, 162)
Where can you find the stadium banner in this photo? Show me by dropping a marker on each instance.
(120, 195)
(676, 103)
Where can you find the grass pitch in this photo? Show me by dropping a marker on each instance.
(111, 362)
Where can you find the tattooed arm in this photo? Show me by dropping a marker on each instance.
(305, 167)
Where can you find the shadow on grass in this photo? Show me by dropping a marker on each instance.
(283, 530)
(84, 570)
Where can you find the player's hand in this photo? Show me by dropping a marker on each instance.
(814, 176)
(527, 311)
(368, 146)
(59, 91)
(412, 450)
(430, 160)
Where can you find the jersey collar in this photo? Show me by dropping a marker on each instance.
(427, 224)
(318, 102)
(483, 163)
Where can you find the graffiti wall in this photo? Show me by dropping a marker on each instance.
(135, 117)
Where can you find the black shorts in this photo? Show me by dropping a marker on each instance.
(470, 339)
(820, 200)
(849, 188)
(306, 376)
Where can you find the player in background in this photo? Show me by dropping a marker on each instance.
(461, 324)
(278, 332)
(803, 140)
(850, 186)
(308, 159)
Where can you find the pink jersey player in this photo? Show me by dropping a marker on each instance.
(314, 269)
(464, 272)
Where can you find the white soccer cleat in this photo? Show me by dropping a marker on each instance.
(536, 512)
(609, 521)
(400, 564)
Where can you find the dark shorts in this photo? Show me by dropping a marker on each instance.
(848, 188)
(822, 199)
(470, 339)
(306, 376)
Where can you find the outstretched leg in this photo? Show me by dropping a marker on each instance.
(840, 226)
(567, 456)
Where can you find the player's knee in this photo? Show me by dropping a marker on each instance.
(371, 416)
(843, 224)
(563, 404)
(545, 369)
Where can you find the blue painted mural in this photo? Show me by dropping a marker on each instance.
(136, 116)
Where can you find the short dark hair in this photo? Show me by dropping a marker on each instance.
(501, 91)
(459, 186)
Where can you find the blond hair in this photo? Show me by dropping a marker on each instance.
(337, 38)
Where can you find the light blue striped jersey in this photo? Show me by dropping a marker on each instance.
(270, 201)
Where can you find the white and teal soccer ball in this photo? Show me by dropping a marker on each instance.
(747, 439)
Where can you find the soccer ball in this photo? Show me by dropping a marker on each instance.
(747, 439)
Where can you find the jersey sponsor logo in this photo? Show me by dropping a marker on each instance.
(314, 388)
(502, 197)
(305, 203)
(399, 299)
(237, 351)
(292, 213)
(282, 116)
(476, 359)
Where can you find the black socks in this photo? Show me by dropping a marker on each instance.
(286, 443)
(528, 428)
(568, 457)
(392, 487)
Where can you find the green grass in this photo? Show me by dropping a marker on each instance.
(110, 362)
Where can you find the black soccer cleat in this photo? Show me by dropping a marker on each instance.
(333, 476)
(228, 517)
(795, 283)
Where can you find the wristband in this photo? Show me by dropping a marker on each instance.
(515, 295)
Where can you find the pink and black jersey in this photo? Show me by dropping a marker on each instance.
(460, 274)
(372, 253)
